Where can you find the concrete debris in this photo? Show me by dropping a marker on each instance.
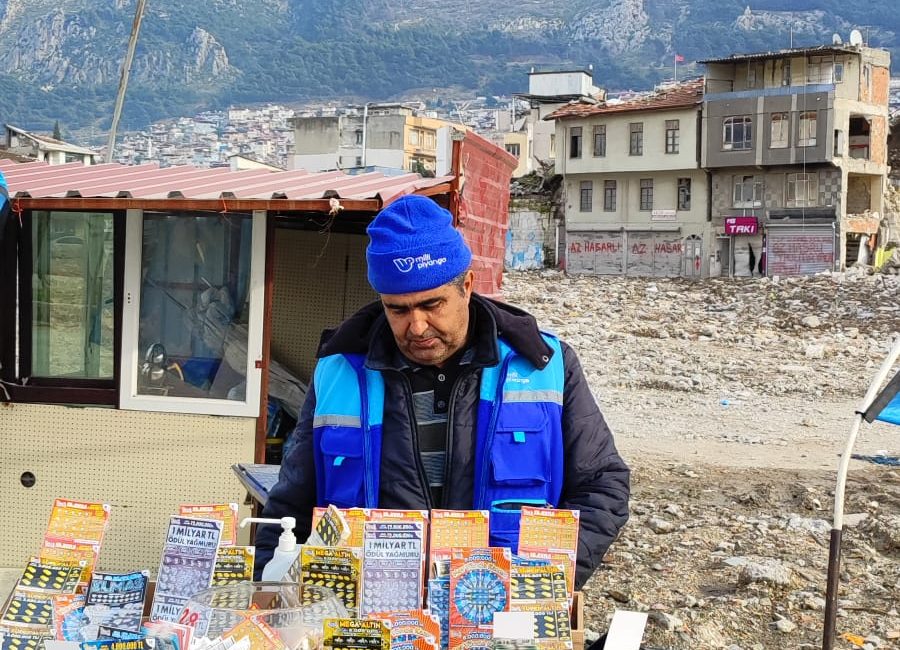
(731, 401)
(772, 572)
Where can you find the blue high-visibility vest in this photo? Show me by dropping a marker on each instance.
(518, 450)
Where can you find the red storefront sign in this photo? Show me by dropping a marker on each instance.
(741, 226)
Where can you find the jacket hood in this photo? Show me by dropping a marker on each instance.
(367, 332)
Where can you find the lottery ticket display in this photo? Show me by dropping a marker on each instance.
(188, 562)
(479, 585)
(456, 529)
(412, 627)
(356, 634)
(115, 600)
(393, 565)
(354, 517)
(331, 529)
(225, 512)
(337, 569)
(233, 564)
(74, 533)
(14, 638)
(551, 534)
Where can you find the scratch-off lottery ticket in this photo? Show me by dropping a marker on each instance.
(472, 638)
(457, 529)
(393, 566)
(354, 517)
(225, 512)
(260, 634)
(116, 600)
(233, 564)
(21, 638)
(188, 562)
(479, 585)
(356, 634)
(530, 583)
(552, 626)
(53, 577)
(337, 569)
(78, 521)
(69, 621)
(29, 608)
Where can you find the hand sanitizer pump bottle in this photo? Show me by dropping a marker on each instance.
(286, 551)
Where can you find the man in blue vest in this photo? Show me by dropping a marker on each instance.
(436, 397)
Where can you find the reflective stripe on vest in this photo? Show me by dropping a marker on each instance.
(518, 451)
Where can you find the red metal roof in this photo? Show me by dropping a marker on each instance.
(683, 95)
(36, 180)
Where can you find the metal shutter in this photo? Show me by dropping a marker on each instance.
(799, 251)
(600, 253)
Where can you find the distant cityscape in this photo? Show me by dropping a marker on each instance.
(264, 133)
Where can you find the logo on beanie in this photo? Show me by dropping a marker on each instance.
(406, 264)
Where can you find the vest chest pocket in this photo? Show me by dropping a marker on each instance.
(344, 466)
(520, 450)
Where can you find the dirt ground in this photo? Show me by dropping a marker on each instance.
(732, 401)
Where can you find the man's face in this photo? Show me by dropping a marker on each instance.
(430, 326)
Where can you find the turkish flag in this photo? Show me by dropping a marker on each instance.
(678, 58)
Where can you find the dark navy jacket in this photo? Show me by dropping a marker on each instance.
(596, 480)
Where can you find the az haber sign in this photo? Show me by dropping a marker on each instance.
(741, 226)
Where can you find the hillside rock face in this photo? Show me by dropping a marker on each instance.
(225, 51)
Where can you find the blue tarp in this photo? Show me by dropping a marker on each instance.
(886, 406)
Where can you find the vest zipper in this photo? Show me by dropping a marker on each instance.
(370, 497)
(448, 439)
(415, 436)
(489, 434)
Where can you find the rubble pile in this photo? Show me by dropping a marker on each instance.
(769, 336)
(752, 381)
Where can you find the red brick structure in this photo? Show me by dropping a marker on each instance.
(483, 172)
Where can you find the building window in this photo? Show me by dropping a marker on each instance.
(646, 194)
(786, 73)
(737, 133)
(609, 196)
(359, 161)
(513, 148)
(72, 312)
(819, 71)
(414, 138)
(587, 196)
(359, 136)
(672, 136)
(801, 191)
(747, 192)
(807, 135)
(600, 140)
(195, 323)
(575, 142)
(684, 193)
(553, 145)
(838, 72)
(429, 140)
(779, 131)
(838, 142)
(636, 141)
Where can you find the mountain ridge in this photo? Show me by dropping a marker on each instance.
(60, 58)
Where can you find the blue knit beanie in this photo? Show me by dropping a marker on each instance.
(413, 246)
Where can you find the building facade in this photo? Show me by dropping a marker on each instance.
(635, 194)
(385, 137)
(549, 91)
(796, 145)
(43, 148)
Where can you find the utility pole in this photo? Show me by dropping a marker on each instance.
(123, 79)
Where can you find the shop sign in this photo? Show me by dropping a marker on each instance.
(662, 215)
(741, 225)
